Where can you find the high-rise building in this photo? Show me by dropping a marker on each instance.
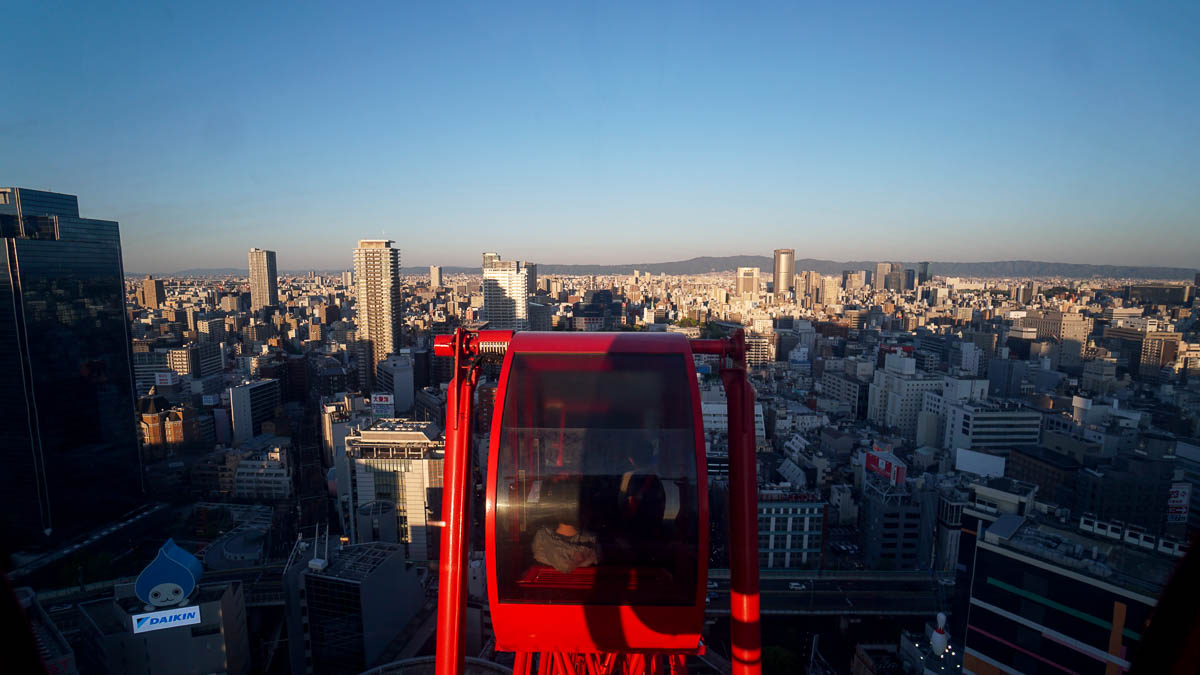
(264, 281)
(378, 302)
(505, 293)
(345, 605)
(153, 293)
(853, 280)
(880, 277)
(68, 439)
(808, 284)
(435, 276)
(829, 290)
(395, 487)
(251, 404)
(395, 375)
(785, 270)
(1070, 329)
(211, 330)
(897, 517)
(197, 359)
(898, 393)
(533, 277)
(923, 273)
(747, 281)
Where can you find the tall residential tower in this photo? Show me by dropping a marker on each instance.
(378, 303)
(153, 292)
(264, 281)
(505, 293)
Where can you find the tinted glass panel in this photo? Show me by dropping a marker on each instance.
(69, 395)
(597, 498)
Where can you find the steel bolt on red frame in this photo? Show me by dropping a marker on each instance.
(465, 347)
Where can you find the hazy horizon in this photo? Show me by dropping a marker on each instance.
(605, 134)
(284, 269)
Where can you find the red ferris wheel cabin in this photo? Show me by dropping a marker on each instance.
(597, 507)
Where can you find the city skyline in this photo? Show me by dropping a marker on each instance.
(283, 462)
(862, 132)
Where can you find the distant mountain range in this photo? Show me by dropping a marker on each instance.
(998, 269)
(703, 265)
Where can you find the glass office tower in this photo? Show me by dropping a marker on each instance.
(68, 447)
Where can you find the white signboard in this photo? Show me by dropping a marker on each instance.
(383, 405)
(979, 463)
(1178, 500)
(169, 618)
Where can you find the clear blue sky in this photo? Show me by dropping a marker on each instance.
(613, 132)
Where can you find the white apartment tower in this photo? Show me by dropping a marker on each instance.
(380, 314)
(505, 293)
(435, 276)
(264, 280)
(897, 394)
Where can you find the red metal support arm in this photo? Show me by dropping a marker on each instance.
(456, 498)
(745, 628)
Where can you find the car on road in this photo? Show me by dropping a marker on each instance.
(712, 584)
(797, 586)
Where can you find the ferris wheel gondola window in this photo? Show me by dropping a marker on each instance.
(597, 497)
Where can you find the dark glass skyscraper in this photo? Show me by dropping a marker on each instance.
(68, 448)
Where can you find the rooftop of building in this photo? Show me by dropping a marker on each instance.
(358, 561)
(1108, 560)
(47, 638)
(785, 493)
(1047, 456)
(111, 614)
(995, 405)
(263, 443)
(1012, 486)
(396, 431)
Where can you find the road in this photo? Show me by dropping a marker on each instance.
(837, 596)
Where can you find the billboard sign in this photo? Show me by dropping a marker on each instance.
(166, 379)
(383, 405)
(169, 618)
(1178, 501)
(887, 465)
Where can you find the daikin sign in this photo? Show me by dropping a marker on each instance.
(184, 616)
